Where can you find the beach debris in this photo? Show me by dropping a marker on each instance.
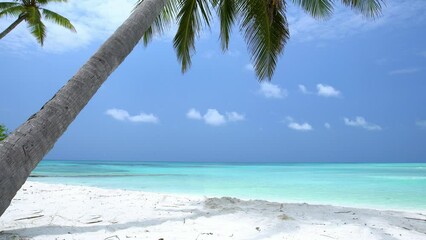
(115, 237)
(93, 219)
(322, 224)
(417, 219)
(203, 234)
(285, 217)
(35, 214)
(328, 236)
(343, 212)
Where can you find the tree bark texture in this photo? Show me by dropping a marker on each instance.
(26, 146)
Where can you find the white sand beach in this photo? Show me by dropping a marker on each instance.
(53, 211)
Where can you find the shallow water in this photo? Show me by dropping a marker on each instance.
(378, 185)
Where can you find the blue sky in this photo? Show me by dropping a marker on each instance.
(345, 90)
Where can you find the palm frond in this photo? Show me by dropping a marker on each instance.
(163, 21)
(38, 30)
(266, 32)
(317, 8)
(205, 11)
(45, 2)
(4, 5)
(147, 36)
(26, 2)
(369, 8)
(14, 11)
(58, 19)
(190, 24)
(33, 14)
(36, 26)
(227, 11)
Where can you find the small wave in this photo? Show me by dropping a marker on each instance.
(108, 175)
(400, 177)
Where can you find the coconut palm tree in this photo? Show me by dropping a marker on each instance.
(32, 11)
(263, 23)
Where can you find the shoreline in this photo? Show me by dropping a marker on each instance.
(272, 200)
(50, 211)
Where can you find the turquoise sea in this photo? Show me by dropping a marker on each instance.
(400, 186)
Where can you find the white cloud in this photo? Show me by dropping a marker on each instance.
(270, 90)
(327, 91)
(421, 124)
(249, 67)
(214, 117)
(404, 71)
(327, 125)
(346, 22)
(118, 114)
(235, 117)
(300, 127)
(361, 122)
(303, 127)
(193, 114)
(144, 118)
(123, 115)
(303, 89)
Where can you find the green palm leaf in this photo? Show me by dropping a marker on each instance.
(266, 32)
(227, 11)
(14, 11)
(58, 19)
(4, 5)
(369, 8)
(190, 24)
(36, 26)
(316, 8)
(38, 30)
(163, 21)
(44, 2)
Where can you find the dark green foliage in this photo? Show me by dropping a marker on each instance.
(263, 23)
(3, 132)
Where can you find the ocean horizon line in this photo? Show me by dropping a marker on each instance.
(239, 162)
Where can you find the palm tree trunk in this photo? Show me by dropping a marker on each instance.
(12, 26)
(25, 147)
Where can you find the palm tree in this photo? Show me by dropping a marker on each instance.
(32, 11)
(263, 23)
